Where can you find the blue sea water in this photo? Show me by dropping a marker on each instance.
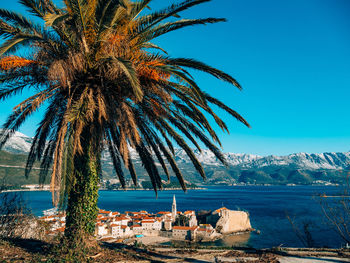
(267, 206)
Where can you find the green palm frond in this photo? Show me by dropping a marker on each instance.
(130, 72)
(181, 142)
(33, 7)
(172, 26)
(138, 7)
(148, 21)
(15, 19)
(194, 64)
(227, 109)
(51, 19)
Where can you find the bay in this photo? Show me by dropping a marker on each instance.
(267, 206)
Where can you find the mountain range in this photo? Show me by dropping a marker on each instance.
(297, 168)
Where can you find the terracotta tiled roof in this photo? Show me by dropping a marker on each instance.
(206, 225)
(185, 228)
(61, 229)
(220, 209)
(123, 227)
(114, 225)
(104, 212)
(136, 226)
(163, 213)
(189, 212)
(147, 221)
(47, 217)
(121, 218)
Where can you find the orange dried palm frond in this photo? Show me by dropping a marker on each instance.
(123, 146)
(90, 34)
(68, 7)
(102, 108)
(150, 72)
(57, 165)
(13, 62)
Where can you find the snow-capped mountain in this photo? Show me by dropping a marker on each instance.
(20, 143)
(331, 161)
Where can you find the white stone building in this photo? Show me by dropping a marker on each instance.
(116, 230)
(101, 229)
(184, 232)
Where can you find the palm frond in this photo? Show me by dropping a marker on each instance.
(191, 63)
(149, 165)
(33, 7)
(15, 19)
(181, 142)
(227, 109)
(148, 21)
(172, 26)
(105, 83)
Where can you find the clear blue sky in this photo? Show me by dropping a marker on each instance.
(292, 58)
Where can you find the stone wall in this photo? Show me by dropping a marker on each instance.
(233, 221)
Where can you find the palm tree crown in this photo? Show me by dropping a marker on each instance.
(104, 83)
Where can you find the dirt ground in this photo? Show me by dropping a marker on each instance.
(37, 251)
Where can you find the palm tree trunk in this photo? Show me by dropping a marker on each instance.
(82, 198)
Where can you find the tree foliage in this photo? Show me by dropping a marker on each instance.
(96, 67)
(104, 84)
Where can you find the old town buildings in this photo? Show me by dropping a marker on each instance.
(174, 224)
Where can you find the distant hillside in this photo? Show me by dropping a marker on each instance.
(12, 170)
(299, 168)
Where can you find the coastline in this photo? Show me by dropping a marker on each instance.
(25, 190)
(126, 189)
(148, 189)
(45, 189)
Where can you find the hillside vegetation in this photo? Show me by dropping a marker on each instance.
(12, 171)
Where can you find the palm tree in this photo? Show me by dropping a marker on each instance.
(104, 85)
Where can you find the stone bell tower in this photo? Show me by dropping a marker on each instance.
(173, 210)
